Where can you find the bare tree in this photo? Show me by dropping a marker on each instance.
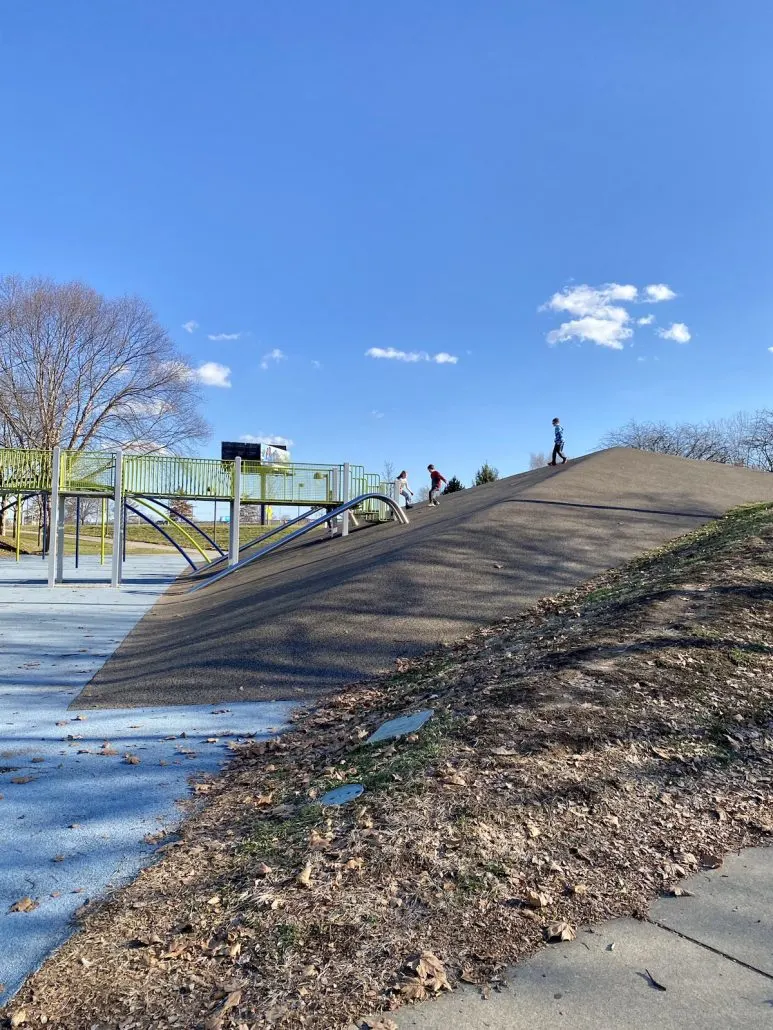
(181, 509)
(422, 494)
(745, 439)
(87, 511)
(85, 371)
(389, 472)
(538, 460)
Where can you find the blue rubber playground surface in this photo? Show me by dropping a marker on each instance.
(85, 792)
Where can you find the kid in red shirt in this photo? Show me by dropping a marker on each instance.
(435, 488)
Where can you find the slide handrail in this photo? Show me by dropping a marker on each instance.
(250, 543)
(327, 517)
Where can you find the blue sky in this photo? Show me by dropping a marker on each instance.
(329, 179)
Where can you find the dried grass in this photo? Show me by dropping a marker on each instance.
(584, 757)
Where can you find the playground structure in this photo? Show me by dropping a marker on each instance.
(147, 485)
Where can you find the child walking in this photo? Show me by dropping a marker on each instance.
(558, 443)
(404, 489)
(435, 487)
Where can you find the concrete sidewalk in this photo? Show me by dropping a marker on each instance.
(713, 953)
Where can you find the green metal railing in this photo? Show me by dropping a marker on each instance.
(292, 483)
(87, 472)
(159, 475)
(22, 470)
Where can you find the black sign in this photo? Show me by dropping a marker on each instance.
(230, 449)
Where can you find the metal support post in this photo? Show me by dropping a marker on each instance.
(125, 531)
(60, 541)
(77, 530)
(53, 529)
(17, 526)
(103, 521)
(236, 507)
(344, 499)
(115, 576)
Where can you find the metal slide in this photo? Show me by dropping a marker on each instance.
(327, 517)
(251, 543)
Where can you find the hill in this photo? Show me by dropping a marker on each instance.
(324, 613)
(584, 755)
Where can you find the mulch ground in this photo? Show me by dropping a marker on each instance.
(584, 757)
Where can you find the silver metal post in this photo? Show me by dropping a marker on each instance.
(60, 543)
(115, 577)
(53, 528)
(344, 499)
(236, 505)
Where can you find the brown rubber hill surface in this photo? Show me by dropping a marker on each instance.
(323, 613)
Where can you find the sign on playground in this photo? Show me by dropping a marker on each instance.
(264, 453)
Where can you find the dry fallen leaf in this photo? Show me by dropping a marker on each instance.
(23, 779)
(215, 1021)
(536, 899)
(710, 861)
(131, 759)
(18, 1018)
(303, 879)
(24, 905)
(560, 931)
(429, 977)
(263, 870)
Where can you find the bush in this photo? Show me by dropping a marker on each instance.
(453, 485)
(486, 474)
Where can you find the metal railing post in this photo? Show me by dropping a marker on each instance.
(236, 505)
(344, 499)
(53, 528)
(314, 524)
(115, 576)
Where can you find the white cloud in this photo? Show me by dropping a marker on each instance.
(599, 314)
(599, 319)
(190, 327)
(412, 356)
(677, 331)
(152, 408)
(377, 414)
(274, 355)
(223, 336)
(590, 300)
(641, 359)
(606, 332)
(391, 354)
(657, 292)
(770, 349)
(266, 438)
(316, 364)
(212, 374)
